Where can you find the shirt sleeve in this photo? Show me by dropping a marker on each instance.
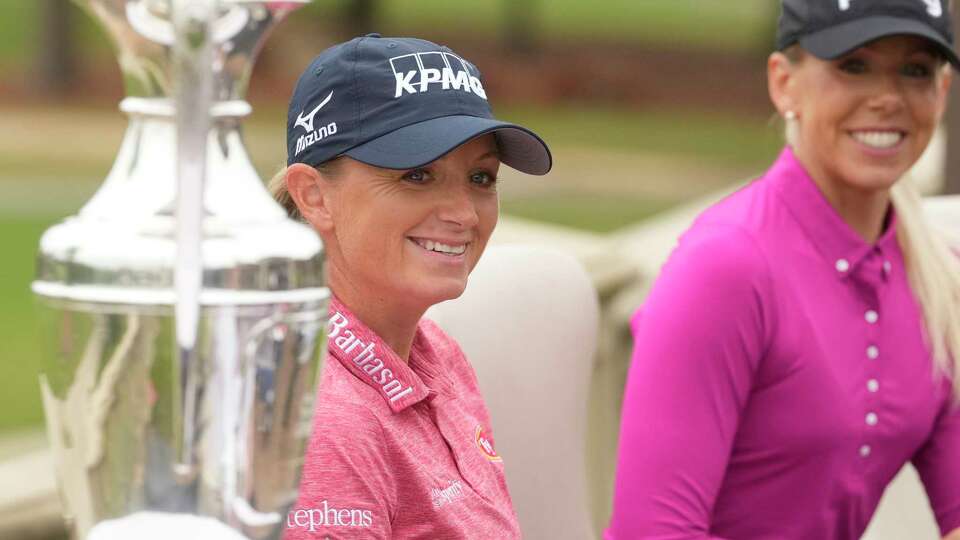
(698, 341)
(346, 490)
(938, 462)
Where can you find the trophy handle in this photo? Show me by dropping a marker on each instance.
(162, 31)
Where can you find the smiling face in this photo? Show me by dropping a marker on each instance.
(411, 237)
(865, 118)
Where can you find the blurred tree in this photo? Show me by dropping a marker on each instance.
(360, 16)
(520, 25)
(56, 63)
(952, 172)
(767, 39)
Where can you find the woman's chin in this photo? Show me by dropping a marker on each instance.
(440, 291)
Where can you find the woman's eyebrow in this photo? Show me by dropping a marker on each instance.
(928, 51)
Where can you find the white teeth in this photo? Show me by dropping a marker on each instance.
(430, 245)
(878, 139)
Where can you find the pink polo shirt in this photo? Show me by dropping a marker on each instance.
(400, 450)
(780, 379)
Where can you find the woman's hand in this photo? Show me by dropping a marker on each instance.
(954, 535)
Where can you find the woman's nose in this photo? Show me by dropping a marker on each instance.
(888, 96)
(458, 206)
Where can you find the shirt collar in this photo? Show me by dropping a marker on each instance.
(366, 356)
(833, 238)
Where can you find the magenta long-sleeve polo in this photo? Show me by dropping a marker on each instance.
(780, 379)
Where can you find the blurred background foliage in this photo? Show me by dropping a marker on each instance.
(646, 104)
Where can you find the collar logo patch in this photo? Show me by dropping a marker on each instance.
(486, 447)
(366, 357)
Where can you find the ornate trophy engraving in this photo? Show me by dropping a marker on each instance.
(185, 309)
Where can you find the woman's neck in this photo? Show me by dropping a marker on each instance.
(865, 211)
(394, 323)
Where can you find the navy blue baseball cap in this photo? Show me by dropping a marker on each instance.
(398, 103)
(829, 29)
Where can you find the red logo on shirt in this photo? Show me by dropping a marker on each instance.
(486, 447)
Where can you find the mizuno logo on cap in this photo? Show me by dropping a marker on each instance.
(306, 122)
(416, 72)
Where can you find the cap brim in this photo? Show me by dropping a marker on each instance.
(421, 143)
(838, 40)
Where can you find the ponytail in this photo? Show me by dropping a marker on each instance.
(934, 273)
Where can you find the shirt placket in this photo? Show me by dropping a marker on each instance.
(870, 279)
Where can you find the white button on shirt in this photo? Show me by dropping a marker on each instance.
(865, 450)
(872, 419)
(872, 316)
(873, 385)
(843, 265)
(873, 352)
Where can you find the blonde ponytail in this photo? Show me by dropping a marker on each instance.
(934, 273)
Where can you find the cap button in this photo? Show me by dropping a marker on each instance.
(373, 34)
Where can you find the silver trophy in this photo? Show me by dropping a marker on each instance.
(185, 310)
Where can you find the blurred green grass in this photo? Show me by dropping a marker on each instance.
(592, 212)
(709, 136)
(686, 23)
(20, 331)
(675, 23)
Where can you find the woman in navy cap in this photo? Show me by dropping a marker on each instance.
(801, 344)
(392, 155)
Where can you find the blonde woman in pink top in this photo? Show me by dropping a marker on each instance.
(801, 344)
(392, 156)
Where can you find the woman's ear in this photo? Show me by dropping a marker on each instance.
(946, 80)
(311, 193)
(780, 73)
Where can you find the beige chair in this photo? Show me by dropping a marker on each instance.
(903, 512)
(528, 323)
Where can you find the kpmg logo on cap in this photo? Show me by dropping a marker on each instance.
(313, 136)
(934, 7)
(416, 72)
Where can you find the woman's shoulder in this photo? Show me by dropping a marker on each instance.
(721, 249)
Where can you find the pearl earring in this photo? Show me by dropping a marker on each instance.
(792, 127)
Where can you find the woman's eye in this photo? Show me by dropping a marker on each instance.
(853, 66)
(416, 176)
(918, 71)
(483, 178)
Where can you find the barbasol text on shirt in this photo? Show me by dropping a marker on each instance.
(365, 357)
